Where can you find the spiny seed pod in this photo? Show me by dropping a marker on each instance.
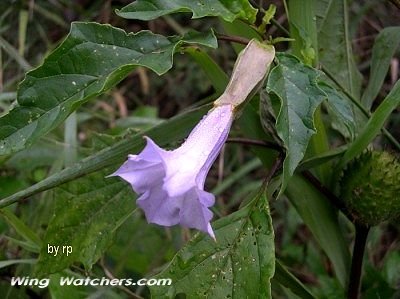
(370, 187)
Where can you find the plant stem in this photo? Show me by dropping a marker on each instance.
(275, 167)
(263, 143)
(357, 261)
(280, 27)
(232, 38)
(333, 199)
(396, 3)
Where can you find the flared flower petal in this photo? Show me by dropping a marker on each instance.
(144, 170)
(171, 183)
(195, 212)
(159, 208)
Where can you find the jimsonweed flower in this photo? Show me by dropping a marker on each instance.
(171, 183)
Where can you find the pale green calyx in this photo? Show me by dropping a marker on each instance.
(249, 72)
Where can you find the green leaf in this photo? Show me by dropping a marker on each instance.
(266, 20)
(320, 159)
(341, 111)
(20, 227)
(374, 125)
(239, 265)
(230, 180)
(27, 245)
(288, 280)
(321, 219)
(12, 52)
(334, 44)
(58, 291)
(168, 131)
(295, 85)
(87, 213)
(92, 59)
(7, 263)
(213, 71)
(229, 10)
(304, 30)
(128, 255)
(383, 50)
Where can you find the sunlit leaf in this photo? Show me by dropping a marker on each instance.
(239, 265)
(92, 59)
(229, 10)
(296, 87)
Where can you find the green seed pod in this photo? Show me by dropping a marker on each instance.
(370, 187)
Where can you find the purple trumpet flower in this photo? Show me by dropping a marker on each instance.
(171, 183)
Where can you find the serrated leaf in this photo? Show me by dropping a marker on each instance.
(92, 59)
(87, 213)
(340, 110)
(239, 265)
(228, 10)
(385, 45)
(334, 44)
(295, 84)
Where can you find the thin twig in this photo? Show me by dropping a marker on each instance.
(333, 199)
(108, 273)
(396, 3)
(357, 261)
(233, 38)
(280, 27)
(278, 161)
(263, 143)
(274, 168)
